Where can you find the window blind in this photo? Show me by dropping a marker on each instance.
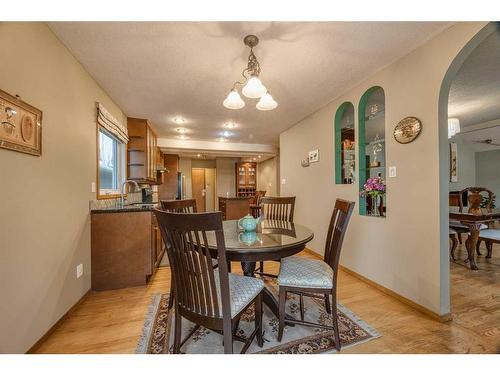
(111, 124)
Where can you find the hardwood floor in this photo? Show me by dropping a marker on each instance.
(111, 321)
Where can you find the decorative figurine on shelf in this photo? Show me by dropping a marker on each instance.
(377, 147)
(375, 189)
(248, 223)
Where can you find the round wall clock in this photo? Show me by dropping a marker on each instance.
(407, 130)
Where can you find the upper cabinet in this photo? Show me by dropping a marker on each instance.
(246, 179)
(372, 165)
(345, 141)
(142, 152)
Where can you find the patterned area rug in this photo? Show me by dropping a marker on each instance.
(157, 336)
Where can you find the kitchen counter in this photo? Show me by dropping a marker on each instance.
(139, 207)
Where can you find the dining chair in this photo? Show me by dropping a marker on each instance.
(465, 193)
(314, 277)
(275, 208)
(256, 203)
(489, 236)
(180, 206)
(185, 206)
(208, 297)
(454, 242)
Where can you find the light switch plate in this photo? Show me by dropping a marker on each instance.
(92, 187)
(79, 271)
(283, 181)
(313, 156)
(392, 171)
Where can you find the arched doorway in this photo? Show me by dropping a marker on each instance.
(444, 159)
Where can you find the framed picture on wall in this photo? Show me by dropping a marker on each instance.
(453, 163)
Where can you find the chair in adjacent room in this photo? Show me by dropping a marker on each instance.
(275, 208)
(464, 194)
(208, 297)
(313, 277)
(454, 242)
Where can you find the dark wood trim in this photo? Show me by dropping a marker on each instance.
(51, 330)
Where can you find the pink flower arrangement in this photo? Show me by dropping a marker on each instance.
(373, 187)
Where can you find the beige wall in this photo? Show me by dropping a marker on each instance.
(44, 214)
(404, 252)
(267, 176)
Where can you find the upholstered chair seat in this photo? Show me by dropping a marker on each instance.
(490, 234)
(242, 291)
(452, 231)
(305, 273)
(459, 225)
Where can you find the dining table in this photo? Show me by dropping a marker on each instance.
(473, 219)
(272, 240)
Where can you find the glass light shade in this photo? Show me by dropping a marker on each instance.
(233, 101)
(453, 127)
(266, 103)
(254, 88)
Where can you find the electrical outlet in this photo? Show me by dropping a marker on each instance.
(92, 187)
(79, 271)
(392, 171)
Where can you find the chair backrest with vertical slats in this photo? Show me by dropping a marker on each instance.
(196, 283)
(338, 226)
(278, 208)
(180, 206)
(485, 193)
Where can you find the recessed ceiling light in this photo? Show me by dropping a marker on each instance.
(179, 120)
(254, 159)
(230, 125)
(181, 130)
(198, 155)
(260, 156)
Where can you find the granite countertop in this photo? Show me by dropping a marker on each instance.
(138, 207)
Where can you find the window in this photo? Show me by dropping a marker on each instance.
(111, 161)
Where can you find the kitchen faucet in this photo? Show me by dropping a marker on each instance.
(122, 191)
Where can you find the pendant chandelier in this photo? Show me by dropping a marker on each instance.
(252, 85)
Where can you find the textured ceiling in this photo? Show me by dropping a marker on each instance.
(475, 92)
(158, 70)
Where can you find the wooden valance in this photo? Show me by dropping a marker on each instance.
(111, 124)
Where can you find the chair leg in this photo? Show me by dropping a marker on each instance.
(454, 244)
(282, 300)
(489, 246)
(258, 320)
(335, 321)
(478, 252)
(227, 336)
(177, 331)
(301, 302)
(460, 238)
(261, 267)
(171, 295)
(327, 304)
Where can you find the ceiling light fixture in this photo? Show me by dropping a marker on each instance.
(252, 85)
(453, 127)
(181, 130)
(226, 134)
(222, 139)
(182, 136)
(198, 155)
(230, 125)
(179, 120)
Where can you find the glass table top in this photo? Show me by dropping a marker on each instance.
(270, 234)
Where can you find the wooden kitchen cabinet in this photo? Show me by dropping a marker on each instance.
(246, 179)
(142, 152)
(126, 248)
